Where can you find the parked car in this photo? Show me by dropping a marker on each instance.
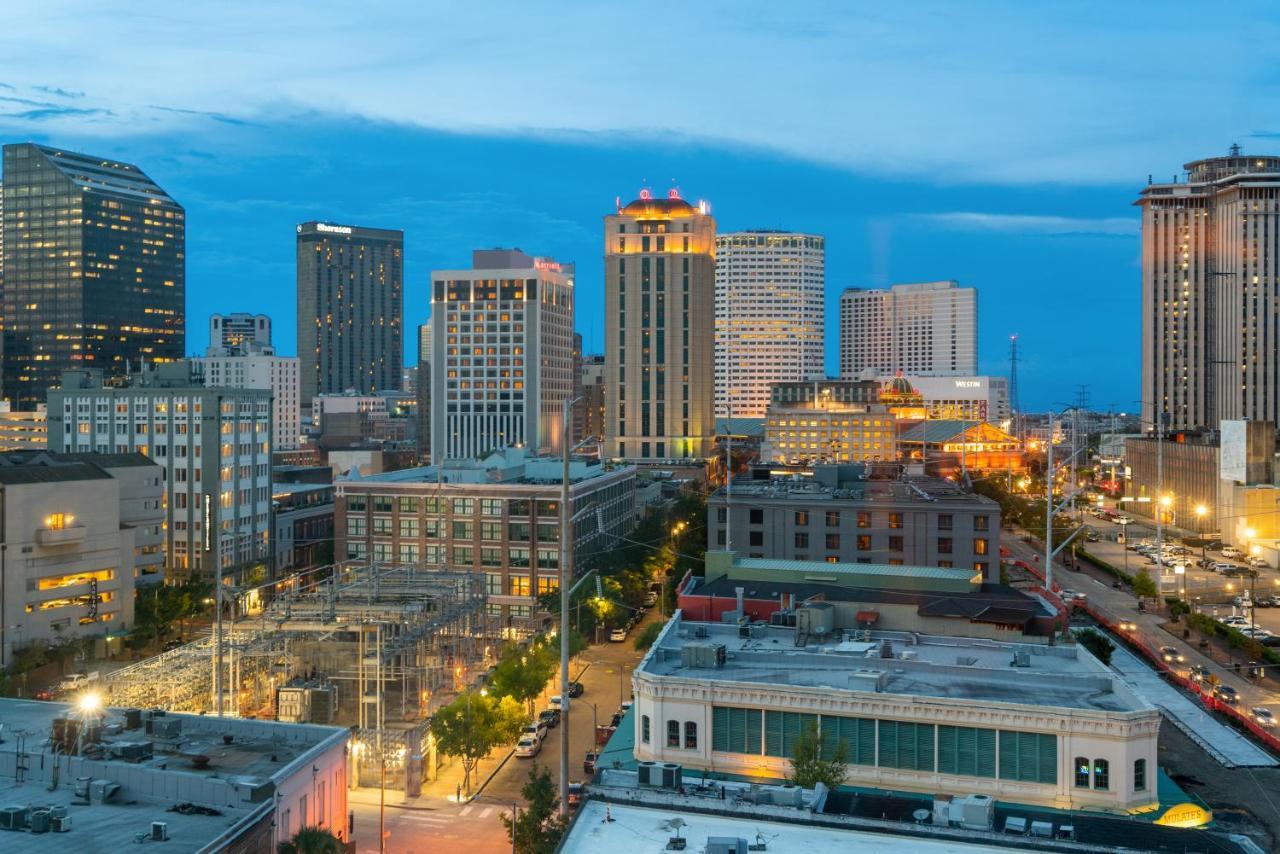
(1170, 655)
(651, 598)
(589, 762)
(1241, 601)
(1128, 626)
(1199, 673)
(1232, 552)
(551, 717)
(527, 747)
(555, 702)
(618, 635)
(576, 793)
(1226, 694)
(76, 681)
(538, 730)
(173, 644)
(575, 689)
(1265, 602)
(1257, 562)
(1263, 718)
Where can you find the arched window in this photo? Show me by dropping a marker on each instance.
(690, 735)
(644, 728)
(1139, 775)
(673, 733)
(1101, 774)
(1082, 772)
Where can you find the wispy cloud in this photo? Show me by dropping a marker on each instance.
(1033, 223)
(61, 93)
(219, 117)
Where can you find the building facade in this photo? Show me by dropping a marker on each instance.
(261, 368)
(94, 269)
(423, 392)
(214, 445)
(239, 330)
(926, 329)
(840, 516)
(502, 354)
(770, 291)
(1022, 723)
(303, 517)
(1187, 478)
(828, 433)
(593, 397)
(659, 330)
(23, 431)
(1211, 293)
(350, 304)
(499, 517)
(982, 398)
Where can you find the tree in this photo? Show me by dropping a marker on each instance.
(539, 828)
(647, 636)
(473, 724)
(312, 840)
(1097, 644)
(1143, 586)
(812, 762)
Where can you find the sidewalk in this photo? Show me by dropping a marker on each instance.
(441, 792)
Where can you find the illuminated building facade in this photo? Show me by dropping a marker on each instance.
(1211, 293)
(927, 329)
(350, 283)
(659, 330)
(827, 421)
(502, 354)
(769, 316)
(94, 269)
(239, 330)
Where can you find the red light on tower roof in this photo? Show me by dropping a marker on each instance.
(673, 193)
(645, 195)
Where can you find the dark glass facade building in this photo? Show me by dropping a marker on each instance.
(350, 283)
(94, 272)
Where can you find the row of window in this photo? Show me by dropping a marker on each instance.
(458, 506)
(945, 521)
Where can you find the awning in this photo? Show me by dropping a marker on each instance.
(866, 616)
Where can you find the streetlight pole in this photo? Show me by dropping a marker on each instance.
(566, 577)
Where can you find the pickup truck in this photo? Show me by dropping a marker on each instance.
(76, 681)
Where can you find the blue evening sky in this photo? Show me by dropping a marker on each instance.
(999, 144)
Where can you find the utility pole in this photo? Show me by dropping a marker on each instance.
(1048, 511)
(1159, 497)
(566, 576)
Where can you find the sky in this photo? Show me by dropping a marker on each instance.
(998, 144)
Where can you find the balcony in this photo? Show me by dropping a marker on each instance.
(63, 536)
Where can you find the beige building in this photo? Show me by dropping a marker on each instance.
(23, 431)
(1023, 723)
(923, 329)
(1211, 293)
(828, 433)
(769, 315)
(659, 330)
(70, 557)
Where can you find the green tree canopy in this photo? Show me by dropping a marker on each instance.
(1097, 643)
(474, 724)
(812, 764)
(539, 828)
(312, 840)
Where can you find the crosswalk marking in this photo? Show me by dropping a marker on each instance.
(487, 811)
(426, 819)
(465, 809)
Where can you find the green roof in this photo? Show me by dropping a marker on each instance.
(867, 575)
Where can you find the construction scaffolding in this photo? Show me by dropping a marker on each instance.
(384, 645)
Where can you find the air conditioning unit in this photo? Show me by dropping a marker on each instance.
(159, 831)
(39, 821)
(166, 727)
(60, 823)
(671, 775)
(650, 774)
(13, 818)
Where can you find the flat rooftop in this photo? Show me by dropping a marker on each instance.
(191, 764)
(848, 483)
(972, 670)
(647, 829)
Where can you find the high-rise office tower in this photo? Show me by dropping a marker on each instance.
(659, 329)
(926, 329)
(769, 315)
(231, 331)
(350, 281)
(424, 391)
(95, 269)
(502, 354)
(1211, 293)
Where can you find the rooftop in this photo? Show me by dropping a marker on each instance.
(850, 482)
(969, 670)
(510, 466)
(28, 467)
(159, 775)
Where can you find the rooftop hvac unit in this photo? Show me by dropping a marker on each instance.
(39, 821)
(726, 845)
(1022, 659)
(59, 811)
(13, 818)
(59, 823)
(101, 791)
(292, 705)
(672, 774)
(817, 618)
(166, 727)
(649, 773)
(134, 751)
(323, 704)
(159, 831)
(133, 718)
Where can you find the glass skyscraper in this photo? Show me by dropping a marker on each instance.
(94, 272)
(350, 282)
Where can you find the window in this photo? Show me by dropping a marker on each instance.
(1139, 775)
(464, 530)
(833, 518)
(491, 530)
(757, 516)
(355, 502)
(548, 533)
(463, 555)
(409, 526)
(944, 545)
(857, 734)
(944, 521)
(782, 729)
(864, 542)
(735, 730)
(833, 541)
(802, 517)
(644, 728)
(757, 538)
(408, 552)
(895, 543)
(864, 519)
(1031, 757)
(1101, 774)
(519, 506)
(802, 540)
(382, 504)
(355, 526)
(690, 735)
(980, 523)
(408, 505)
(895, 520)
(464, 506)
(1082, 772)
(979, 545)
(906, 745)
(673, 733)
(969, 751)
(519, 585)
(491, 506)
(491, 557)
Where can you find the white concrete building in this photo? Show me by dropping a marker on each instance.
(928, 329)
(263, 781)
(1023, 723)
(69, 566)
(23, 431)
(769, 315)
(238, 368)
(502, 354)
(967, 398)
(239, 330)
(214, 445)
